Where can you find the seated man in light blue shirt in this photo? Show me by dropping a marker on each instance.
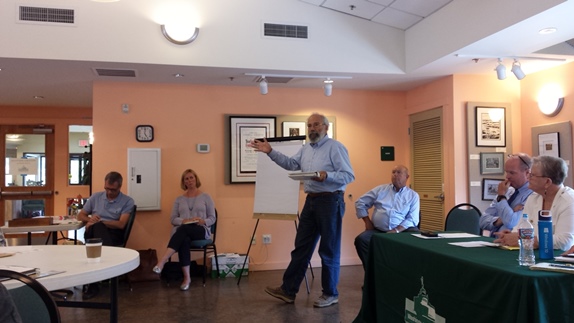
(396, 209)
(106, 214)
(505, 211)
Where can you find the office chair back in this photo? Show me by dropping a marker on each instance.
(33, 301)
(207, 246)
(463, 217)
(128, 228)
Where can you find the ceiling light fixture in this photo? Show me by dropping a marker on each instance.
(546, 31)
(328, 87)
(179, 34)
(500, 70)
(517, 70)
(263, 89)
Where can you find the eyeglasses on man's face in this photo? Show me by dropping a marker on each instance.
(315, 125)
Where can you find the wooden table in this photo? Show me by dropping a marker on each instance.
(72, 261)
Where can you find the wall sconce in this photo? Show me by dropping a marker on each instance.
(263, 89)
(328, 87)
(550, 100)
(179, 34)
(517, 70)
(500, 70)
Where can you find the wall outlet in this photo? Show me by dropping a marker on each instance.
(266, 239)
(254, 240)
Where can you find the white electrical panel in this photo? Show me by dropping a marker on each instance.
(144, 177)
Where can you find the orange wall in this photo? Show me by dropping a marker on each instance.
(531, 85)
(185, 115)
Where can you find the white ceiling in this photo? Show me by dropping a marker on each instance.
(426, 40)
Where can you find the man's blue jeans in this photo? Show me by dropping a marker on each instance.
(322, 217)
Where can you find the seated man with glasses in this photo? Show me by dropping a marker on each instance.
(106, 214)
(505, 211)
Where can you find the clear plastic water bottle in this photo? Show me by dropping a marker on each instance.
(526, 241)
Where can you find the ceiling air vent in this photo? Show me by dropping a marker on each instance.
(115, 72)
(286, 31)
(46, 15)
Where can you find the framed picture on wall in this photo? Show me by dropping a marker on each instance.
(549, 144)
(243, 129)
(491, 163)
(294, 128)
(490, 127)
(490, 188)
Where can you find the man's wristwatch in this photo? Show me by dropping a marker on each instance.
(500, 197)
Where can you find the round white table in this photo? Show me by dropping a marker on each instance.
(71, 259)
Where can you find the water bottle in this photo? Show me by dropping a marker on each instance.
(526, 241)
(545, 243)
(3, 242)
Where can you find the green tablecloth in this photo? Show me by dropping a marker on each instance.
(406, 274)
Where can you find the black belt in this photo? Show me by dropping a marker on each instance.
(324, 193)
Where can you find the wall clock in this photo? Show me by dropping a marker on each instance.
(144, 133)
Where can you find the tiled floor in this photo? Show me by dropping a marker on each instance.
(222, 300)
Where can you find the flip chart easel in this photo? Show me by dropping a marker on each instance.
(276, 195)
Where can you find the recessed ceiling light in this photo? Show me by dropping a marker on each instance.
(178, 75)
(546, 31)
(38, 97)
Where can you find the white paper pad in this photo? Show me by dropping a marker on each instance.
(474, 244)
(564, 259)
(418, 235)
(457, 235)
(303, 176)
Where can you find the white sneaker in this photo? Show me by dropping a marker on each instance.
(324, 301)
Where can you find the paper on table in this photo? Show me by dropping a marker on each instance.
(40, 274)
(458, 235)
(472, 244)
(19, 269)
(5, 254)
(564, 259)
(301, 176)
(418, 235)
(563, 268)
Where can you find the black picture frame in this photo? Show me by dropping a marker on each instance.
(490, 133)
(490, 188)
(243, 129)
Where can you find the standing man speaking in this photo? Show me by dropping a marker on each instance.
(322, 214)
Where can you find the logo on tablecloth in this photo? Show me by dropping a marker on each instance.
(420, 310)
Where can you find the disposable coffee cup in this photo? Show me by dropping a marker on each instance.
(94, 250)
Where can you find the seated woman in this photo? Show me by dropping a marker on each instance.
(192, 215)
(546, 181)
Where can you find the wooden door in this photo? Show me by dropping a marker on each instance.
(27, 184)
(427, 166)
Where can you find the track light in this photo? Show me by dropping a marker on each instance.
(263, 85)
(500, 70)
(517, 70)
(328, 87)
